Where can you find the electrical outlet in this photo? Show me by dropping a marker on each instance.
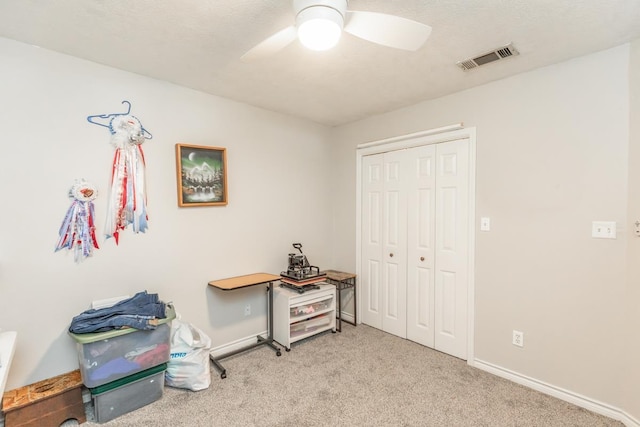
(518, 338)
(247, 310)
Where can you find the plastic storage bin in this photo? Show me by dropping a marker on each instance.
(310, 325)
(128, 394)
(108, 356)
(309, 309)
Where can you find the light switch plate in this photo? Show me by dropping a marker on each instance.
(603, 229)
(485, 224)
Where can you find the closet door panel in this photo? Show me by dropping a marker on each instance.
(448, 206)
(371, 243)
(451, 249)
(392, 310)
(446, 298)
(372, 298)
(394, 254)
(424, 299)
(420, 245)
(391, 221)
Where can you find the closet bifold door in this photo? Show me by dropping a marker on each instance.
(394, 243)
(421, 223)
(384, 234)
(452, 247)
(437, 276)
(371, 240)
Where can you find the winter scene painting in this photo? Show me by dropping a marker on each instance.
(201, 175)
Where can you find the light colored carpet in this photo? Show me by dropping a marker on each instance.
(360, 377)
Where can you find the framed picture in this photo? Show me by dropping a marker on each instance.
(201, 175)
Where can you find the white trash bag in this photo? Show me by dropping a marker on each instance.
(189, 364)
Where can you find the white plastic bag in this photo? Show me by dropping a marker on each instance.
(189, 364)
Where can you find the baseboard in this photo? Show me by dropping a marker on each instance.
(557, 392)
(629, 421)
(235, 345)
(348, 317)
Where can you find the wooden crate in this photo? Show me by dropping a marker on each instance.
(47, 403)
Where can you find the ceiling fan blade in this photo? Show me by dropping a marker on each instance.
(271, 45)
(387, 30)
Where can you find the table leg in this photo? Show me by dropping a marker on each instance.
(269, 340)
(339, 309)
(260, 340)
(355, 304)
(219, 367)
(350, 284)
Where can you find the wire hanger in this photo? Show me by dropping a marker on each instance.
(110, 117)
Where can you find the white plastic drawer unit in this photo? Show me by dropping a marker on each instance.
(298, 316)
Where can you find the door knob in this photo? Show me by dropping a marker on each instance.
(421, 258)
(391, 254)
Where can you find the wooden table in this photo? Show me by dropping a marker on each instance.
(343, 281)
(246, 281)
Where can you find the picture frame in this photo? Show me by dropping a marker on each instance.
(201, 175)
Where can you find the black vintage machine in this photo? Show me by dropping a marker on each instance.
(301, 275)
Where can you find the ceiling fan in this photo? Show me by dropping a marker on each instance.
(319, 24)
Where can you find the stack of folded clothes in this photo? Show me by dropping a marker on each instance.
(141, 311)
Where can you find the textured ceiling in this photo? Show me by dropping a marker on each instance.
(198, 43)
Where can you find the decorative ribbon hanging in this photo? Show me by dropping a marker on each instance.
(77, 231)
(127, 202)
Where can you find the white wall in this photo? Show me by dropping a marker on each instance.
(277, 195)
(551, 157)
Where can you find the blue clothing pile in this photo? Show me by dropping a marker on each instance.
(140, 312)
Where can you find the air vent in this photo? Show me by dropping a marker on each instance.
(491, 56)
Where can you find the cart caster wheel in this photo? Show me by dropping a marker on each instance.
(333, 332)
(278, 353)
(223, 376)
(288, 349)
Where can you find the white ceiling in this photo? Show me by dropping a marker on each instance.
(198, 43)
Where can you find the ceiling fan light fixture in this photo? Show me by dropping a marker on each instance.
(319, 27)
